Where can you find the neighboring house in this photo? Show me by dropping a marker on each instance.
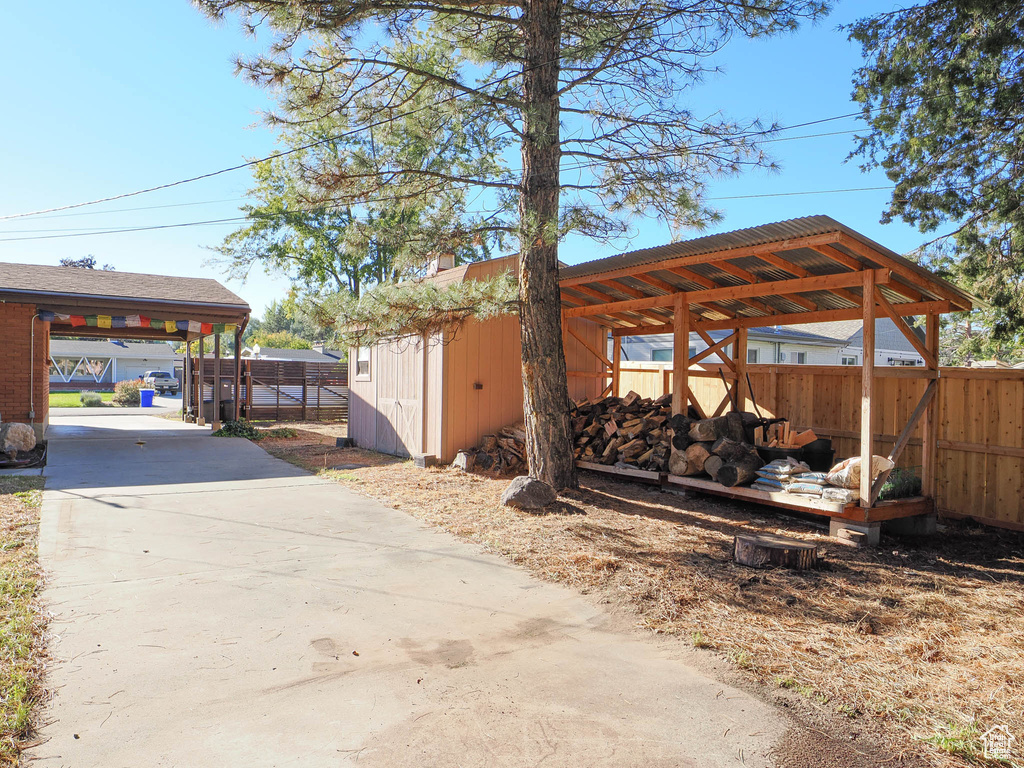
(834, 343)
(88, 363)
(256, 352)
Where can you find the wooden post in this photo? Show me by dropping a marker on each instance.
(216, 381)
(186, 384)
(740, 356)
(929, 433)
(305, 373)
(616, 364)
(680, 354)
(867, 389)
(201, 415)
(238, 373)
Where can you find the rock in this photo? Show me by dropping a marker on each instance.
(527, 492)
(465, 461)
(16, 437)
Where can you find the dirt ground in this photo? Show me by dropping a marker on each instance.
(911, 650)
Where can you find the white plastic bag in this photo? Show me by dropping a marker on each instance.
(846, 474)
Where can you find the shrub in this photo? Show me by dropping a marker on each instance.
(127, 392)
(91, 399)
(240, 428)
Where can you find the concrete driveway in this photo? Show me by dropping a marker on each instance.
(214, 606)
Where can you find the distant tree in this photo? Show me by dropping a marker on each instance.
(86, 262)
(942, 89)
(414, 84)
(278, 340)
(290, 315)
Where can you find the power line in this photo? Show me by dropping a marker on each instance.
(213, 222)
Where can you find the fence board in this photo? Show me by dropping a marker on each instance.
(979, 413)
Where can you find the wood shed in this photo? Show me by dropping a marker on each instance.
(443, 392)
(811, 269)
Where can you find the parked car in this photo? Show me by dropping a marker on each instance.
(161, 381)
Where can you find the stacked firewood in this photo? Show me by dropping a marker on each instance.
(630, 431)
(503, 452)
(640, 433)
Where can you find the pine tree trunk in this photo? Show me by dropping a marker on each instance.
(545, 385)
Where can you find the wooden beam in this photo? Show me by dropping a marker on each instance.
(867, 390)
(616, 364)
(930, 360)
(818, 283)
(904, 438)
(695, 403)
(740, 356)
(704, 258)
(750, 277)
(929, 432)
(935, 285)
(712, 348)
(705, 282)
(680, 354)
(607, 297)
(586, 345)
(825, 315)
(727, 400)
(798, 271)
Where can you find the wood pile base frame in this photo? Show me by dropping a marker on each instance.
(881, 511)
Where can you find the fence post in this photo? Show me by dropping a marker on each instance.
(277, 390)
(305, 373)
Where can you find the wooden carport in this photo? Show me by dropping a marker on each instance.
(812, 269)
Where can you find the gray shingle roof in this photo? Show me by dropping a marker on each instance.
(887, 335)
(72, 281)
(101, 348)
(307, 355)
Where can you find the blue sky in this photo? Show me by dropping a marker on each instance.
(106, 98)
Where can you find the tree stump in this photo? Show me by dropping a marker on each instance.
(759, 550)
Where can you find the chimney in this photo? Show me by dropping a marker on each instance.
(440, 263)
(318, 346)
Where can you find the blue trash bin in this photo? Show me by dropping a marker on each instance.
(146, 397)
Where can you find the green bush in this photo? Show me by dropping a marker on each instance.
(127, 392)
(902, 484)
(240, 428)
(91, 399)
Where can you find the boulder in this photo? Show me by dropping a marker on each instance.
(527, 492)
(16, 437)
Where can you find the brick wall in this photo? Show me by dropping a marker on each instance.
(16, 332)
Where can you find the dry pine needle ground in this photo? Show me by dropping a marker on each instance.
(919, 639)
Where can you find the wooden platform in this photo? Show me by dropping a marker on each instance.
(884, 510)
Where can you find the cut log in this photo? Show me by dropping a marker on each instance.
(762, 550)
(730, 450)
(677, 463)
(696, 455)
(740, 472)
(709, 430)
(712, 465)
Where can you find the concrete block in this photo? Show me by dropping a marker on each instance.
(872, 531)
(919, 525)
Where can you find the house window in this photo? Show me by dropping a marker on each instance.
(363, 362)
(849, 361)
(752, 355)
(801, 358)
(665, 355)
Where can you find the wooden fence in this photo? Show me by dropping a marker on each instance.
(283, 390)
(980, 414)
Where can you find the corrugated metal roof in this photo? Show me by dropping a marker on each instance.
(810, 260)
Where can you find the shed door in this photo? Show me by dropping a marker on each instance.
(399, 393)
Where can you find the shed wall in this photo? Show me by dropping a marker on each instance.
(490, 354)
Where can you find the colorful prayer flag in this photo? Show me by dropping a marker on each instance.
(230, 327)
(77, 320)
(182, 325)
(170, 326)
(218, 328)
(118, 322)
(90, 320)
(103, 321)
(46, 317)
(194, 326)
(205, 328)
(133, 321)
(65, 318)
(153, 323)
